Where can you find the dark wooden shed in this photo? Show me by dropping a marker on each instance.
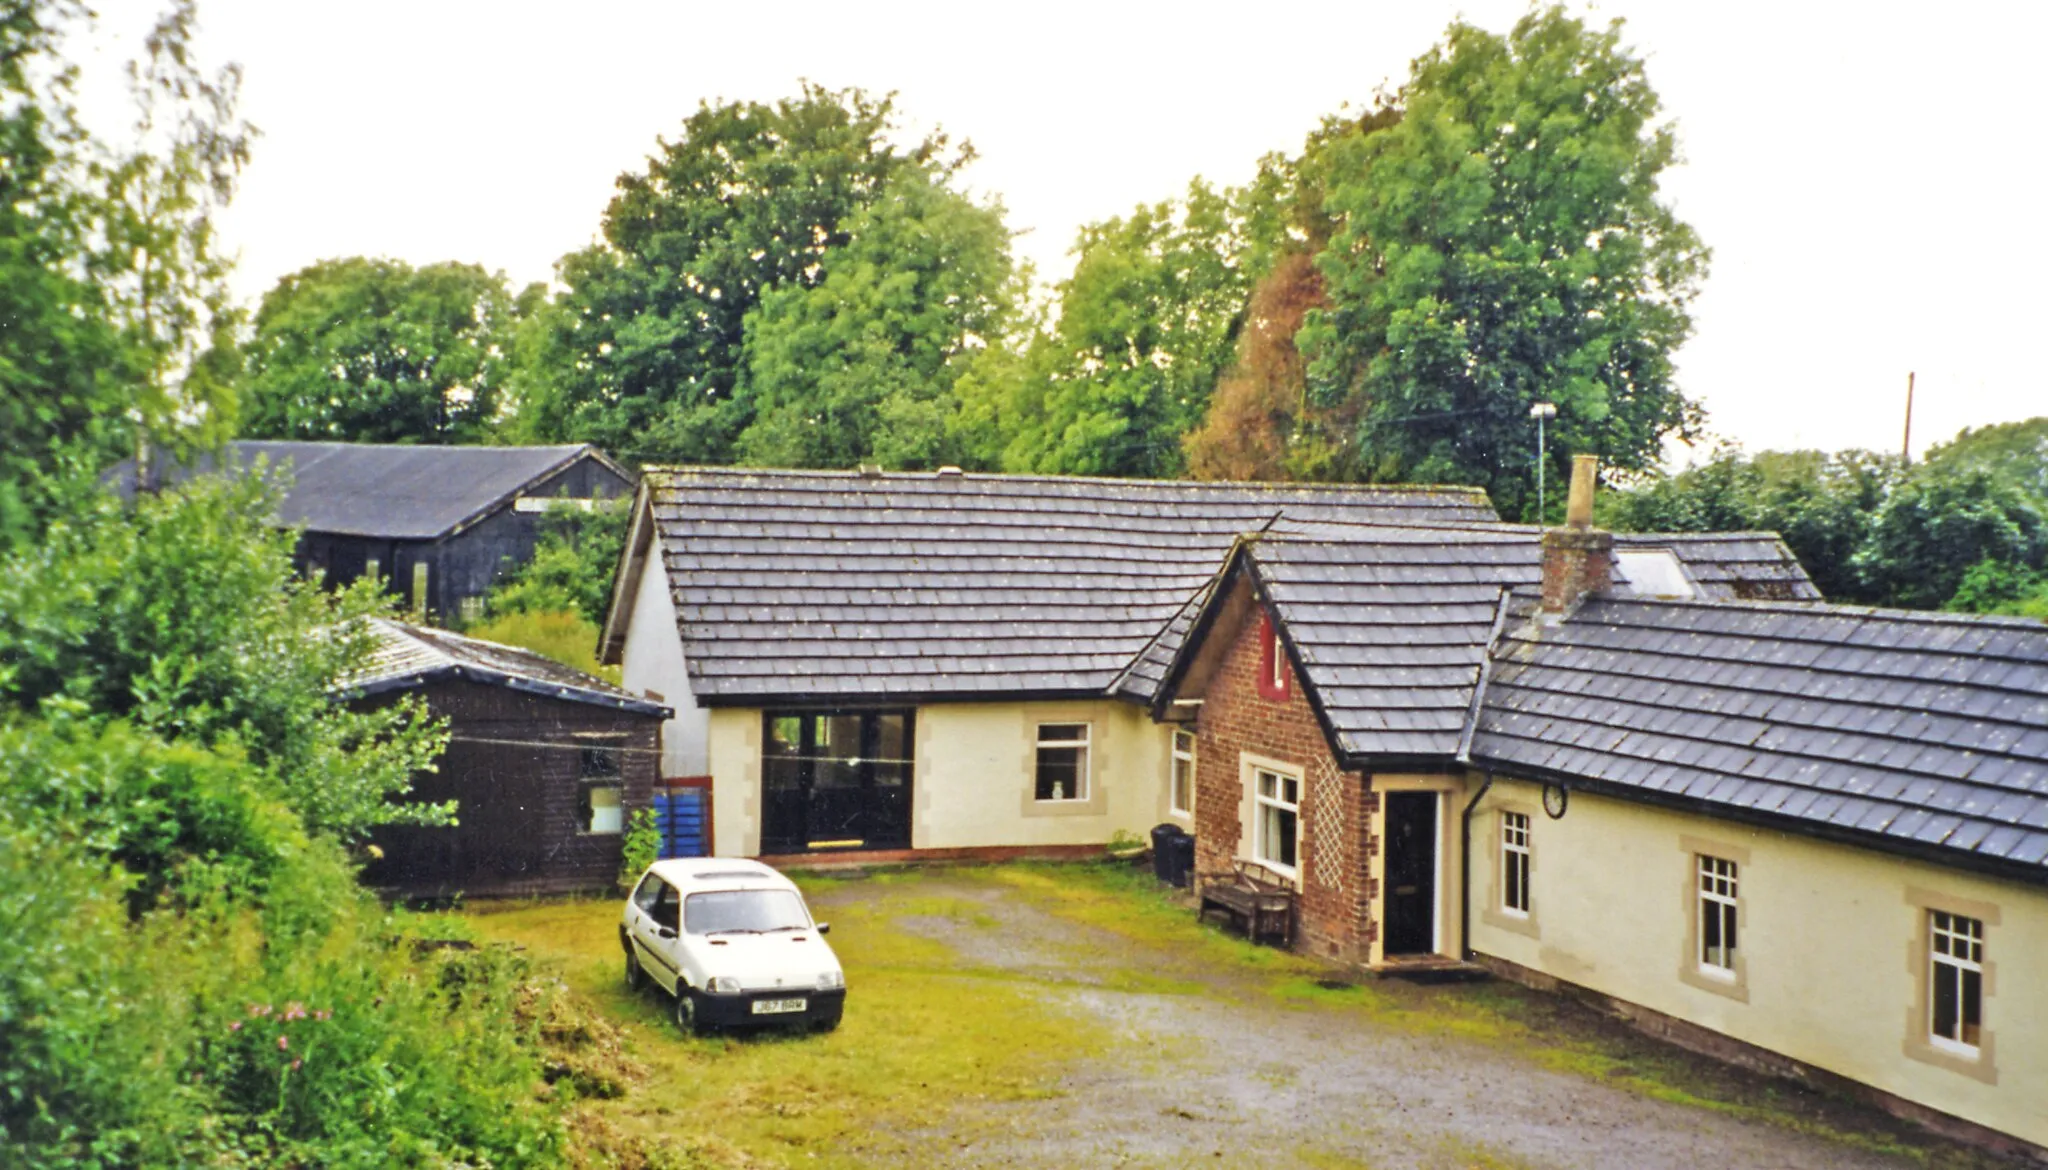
(436, 525)
(547, 766)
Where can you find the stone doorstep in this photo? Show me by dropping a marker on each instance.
(1429, 969)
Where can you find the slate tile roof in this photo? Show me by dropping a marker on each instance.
(829, 586)
(389, 490)
(406, 656)
(1390, 624)
(1930, 730)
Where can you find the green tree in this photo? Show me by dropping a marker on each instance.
(750, 199)
(1999, 587)
(377, 351)
(861, 366)
(1942, 520)
(64, 368)
(111, 285)
(154, 250)
(1146, 323)
(2016, 452)
(1501, 244)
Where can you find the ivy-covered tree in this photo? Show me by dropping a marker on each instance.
(377, 351)
(751, 198)
(1503, 243)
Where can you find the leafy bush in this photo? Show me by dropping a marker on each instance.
(571, 569)
(189, 974)
(641, 846)
(182, 616)
(563, 635)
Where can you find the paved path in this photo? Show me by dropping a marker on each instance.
(1226, 1073)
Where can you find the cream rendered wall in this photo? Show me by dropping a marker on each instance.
(974, 772)
(653, 661)
(733, 746)
(1830, 938)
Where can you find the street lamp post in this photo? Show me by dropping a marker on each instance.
(1540, 412)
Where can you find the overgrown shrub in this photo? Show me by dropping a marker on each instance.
(189, 974)
(641, 846)
(563, 635)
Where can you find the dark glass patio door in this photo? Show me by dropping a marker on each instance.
(835, 780)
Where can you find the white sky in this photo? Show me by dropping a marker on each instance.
(1870, 177)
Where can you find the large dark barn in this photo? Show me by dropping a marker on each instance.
(437, 525)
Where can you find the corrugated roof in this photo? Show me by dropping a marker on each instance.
(1390, 624)
(839, 586)
(394, 491)
(406, 656)
(1927, 730)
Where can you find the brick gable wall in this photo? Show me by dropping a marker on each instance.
(1336, 848)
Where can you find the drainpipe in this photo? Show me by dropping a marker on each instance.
(1465, 951)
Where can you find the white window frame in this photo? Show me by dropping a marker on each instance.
(1084, 779)
(1718, 887)
(1180, 782)
(1514, 863)
(1955, 942)
(1261, 802)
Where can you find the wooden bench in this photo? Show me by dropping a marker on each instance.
(1255, 897)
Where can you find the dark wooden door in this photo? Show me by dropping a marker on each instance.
(1411, 873)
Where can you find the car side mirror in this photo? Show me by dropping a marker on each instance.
(824, 928)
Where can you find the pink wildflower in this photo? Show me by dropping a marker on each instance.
(235, 1026)
(295, 1011)
(283, 1044)
(297, 1063)
(323, 1014)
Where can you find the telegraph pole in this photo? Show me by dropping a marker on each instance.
(1906, 451)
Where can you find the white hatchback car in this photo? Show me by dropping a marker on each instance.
(734, 943)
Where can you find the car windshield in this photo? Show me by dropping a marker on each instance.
(745, 911)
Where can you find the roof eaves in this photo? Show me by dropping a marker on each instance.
(492, 507)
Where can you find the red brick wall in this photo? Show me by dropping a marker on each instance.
(1335, 845)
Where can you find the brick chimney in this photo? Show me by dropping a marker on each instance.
(1577, 559)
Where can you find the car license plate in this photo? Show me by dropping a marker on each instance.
(769, 1007)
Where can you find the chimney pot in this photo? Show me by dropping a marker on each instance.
(1578, 509)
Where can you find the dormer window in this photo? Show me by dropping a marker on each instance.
(1273, 678)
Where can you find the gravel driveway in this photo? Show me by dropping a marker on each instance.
(1214, 1067)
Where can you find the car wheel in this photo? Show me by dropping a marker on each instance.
(636, 977)
(686, 1012)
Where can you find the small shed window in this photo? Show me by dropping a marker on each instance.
(1062, 761)
(601, 807)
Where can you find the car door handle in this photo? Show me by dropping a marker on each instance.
(1405, 891)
